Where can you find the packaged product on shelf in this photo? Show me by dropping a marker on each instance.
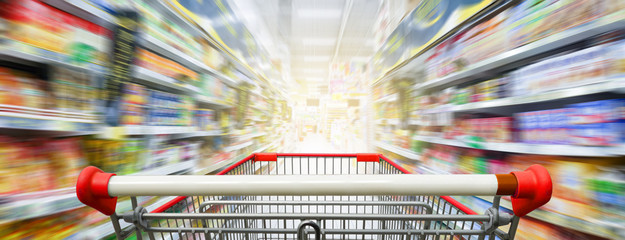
(72, 90)
(169, 68)
(204, 119)
(599, 123)
(54, 33)
(159, 26)
(608, 188)
(67, 158)
(39, 164)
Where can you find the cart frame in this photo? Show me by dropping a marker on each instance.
(393, 202)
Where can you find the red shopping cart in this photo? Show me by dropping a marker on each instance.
(326, 196)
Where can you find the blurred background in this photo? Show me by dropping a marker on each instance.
(156, 87)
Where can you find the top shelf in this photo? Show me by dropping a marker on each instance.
(608, 23)
(170, 52)
(98, 16)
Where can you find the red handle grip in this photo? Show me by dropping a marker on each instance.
(92, 190)
(533, 190)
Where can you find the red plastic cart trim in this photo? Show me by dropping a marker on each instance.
(368, 157)
(180, 198)
(169, 204)
(533, 190)
(394, 164)
(268, 157)
(92, 190)
(317, 154)
(450, 200)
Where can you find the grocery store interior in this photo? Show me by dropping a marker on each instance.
(193, 87)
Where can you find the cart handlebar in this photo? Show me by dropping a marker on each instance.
(529, 189)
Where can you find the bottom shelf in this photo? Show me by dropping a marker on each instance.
(597, 227)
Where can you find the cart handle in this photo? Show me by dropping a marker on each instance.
(529, 189)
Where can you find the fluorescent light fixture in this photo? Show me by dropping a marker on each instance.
(319, 13)
(316, 58)
(319, 41)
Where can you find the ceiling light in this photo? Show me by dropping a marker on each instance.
(319, 13)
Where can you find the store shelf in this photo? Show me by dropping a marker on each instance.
(201, 134)
(84, 10)
(38, 204)
(167, 169)
(129, 130)
(170, 52)
(540, 149)
(401, 151)
(71, 126)
(389, 98)
(238, 146)
(10, 55)
(151, 77)
(611, 22)
(171, 11)
(212, 101)
(250, 135)
(601, 85)
(590, 226)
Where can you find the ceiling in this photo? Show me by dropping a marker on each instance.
(307, 36)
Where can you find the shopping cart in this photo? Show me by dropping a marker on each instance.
(325, 196)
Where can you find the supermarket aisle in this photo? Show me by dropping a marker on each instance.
(316, 143)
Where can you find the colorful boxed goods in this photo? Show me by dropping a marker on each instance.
(133, 106)
(204, 119)
(156, 24)
(123, 157)
(39, 164)
(562, 72)
(521, 24)
(54, 33)
(598, 123)
(72, 90)
(168, 109)
(169, 68)
(68, 90)
(497, 129)
(22, 89)
(65, 225)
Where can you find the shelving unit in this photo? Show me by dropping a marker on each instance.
(604, 24)
(143, 75)
(441, 105)
(601, 85)
(27, 58)
(217, 98)
(597, 227)
(401, 151)
(539, 149)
